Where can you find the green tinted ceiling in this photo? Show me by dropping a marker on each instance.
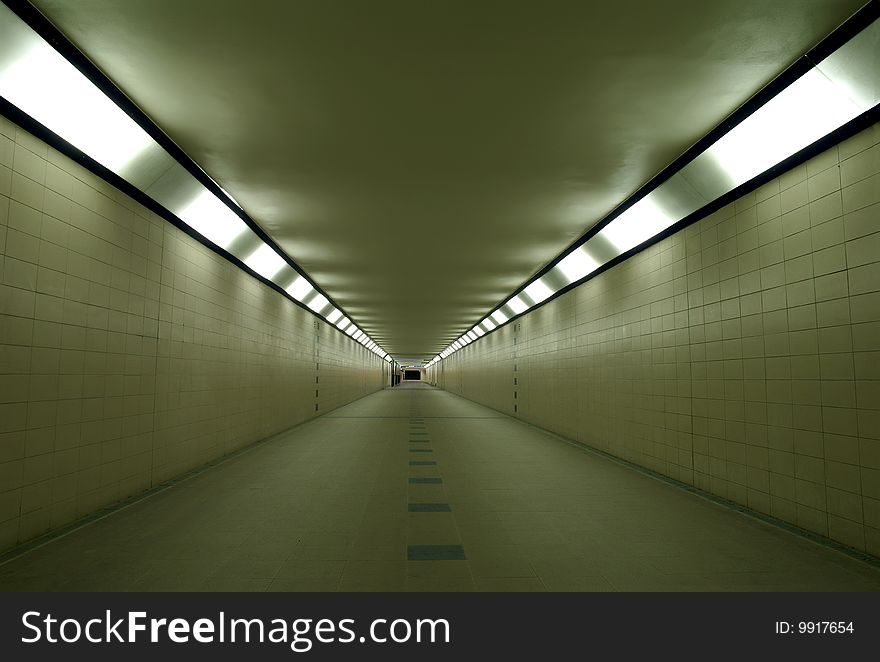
(421, 160)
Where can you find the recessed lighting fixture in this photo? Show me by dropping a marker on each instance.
(472, 335)
(517, 305)
(318, 302)
(639, 223)
(840, 87)
(46, 87)
(300, 288)
(835, 91)
(576, 265)
(344, 322)
(809, 108)
(211, 218)
(265, 261)
(43, 84)
(538, 291)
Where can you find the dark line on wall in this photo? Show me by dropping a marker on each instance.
(59, 41)
(854, 126)
(843, 33)
(32, 126)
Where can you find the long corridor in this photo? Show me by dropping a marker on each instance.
(415, 489)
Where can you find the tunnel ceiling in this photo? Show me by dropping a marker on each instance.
(421, 160)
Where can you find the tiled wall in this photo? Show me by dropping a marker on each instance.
(741, 355)
(129, 352)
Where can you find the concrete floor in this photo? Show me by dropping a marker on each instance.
(415, 489)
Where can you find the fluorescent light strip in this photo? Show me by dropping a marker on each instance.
(808, 109)
(318, 302)
(211, 218)
(265, 261)
(645, 219)
(300, 288)
(538, 291)
(576, 265)
(838, 89)
(43, 84)
(517, 305)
